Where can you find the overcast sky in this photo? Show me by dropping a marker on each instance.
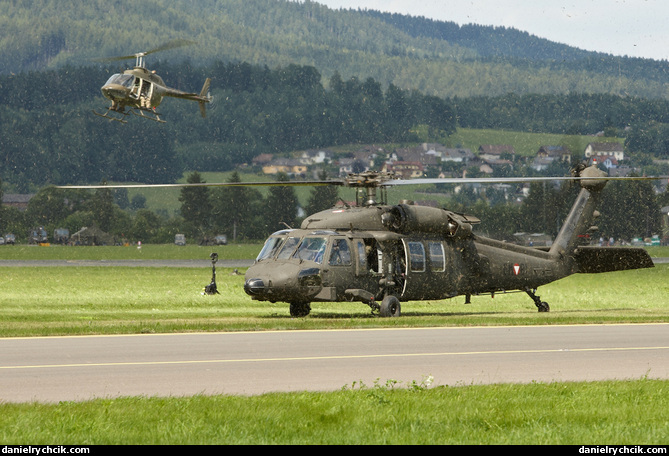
(636, 28)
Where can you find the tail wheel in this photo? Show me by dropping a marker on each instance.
(390, 307)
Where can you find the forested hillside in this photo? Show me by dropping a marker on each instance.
(436, 58)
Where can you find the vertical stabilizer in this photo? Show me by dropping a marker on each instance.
(582, 214)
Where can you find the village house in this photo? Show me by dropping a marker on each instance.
(463, 156)
(19, 201)
(348, 165)
(288, 166)
(561, 153)
(605, 149)
(490, 152)
(418, 155)
(546, 155)
(262, 160)
(315, 157)
(404, 169)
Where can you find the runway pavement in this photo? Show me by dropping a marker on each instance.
(83, 367)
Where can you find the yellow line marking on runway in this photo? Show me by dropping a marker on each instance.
(333, 357)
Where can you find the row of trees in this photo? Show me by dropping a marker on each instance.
(244, 213)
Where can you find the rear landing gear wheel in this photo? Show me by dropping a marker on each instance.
(542, 306)
(299, 309)
(390, 307)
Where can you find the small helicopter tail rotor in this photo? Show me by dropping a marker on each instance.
(205, 97)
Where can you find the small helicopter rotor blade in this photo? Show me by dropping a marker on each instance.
(170, 45)
(165, 47)
(115, 59)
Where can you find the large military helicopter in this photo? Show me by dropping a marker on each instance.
(140, 91)
(381, 254)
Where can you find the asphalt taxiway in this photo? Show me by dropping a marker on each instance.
(52, 369)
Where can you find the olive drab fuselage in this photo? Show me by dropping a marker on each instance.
(319, 264)
(409, 252)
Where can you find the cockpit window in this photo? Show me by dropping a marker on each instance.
(125, 80)
(311, 249)
(270, 248)
(288, 248)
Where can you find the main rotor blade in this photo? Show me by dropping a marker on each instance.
(507, 180)
(207, 184)
(350, 182)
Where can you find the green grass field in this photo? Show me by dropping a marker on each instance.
(110, 300)
(47, 301)
(598, 413)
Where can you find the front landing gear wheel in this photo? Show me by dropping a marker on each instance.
(299, 309)
(390, 307)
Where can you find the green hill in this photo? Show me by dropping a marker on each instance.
(437, 58)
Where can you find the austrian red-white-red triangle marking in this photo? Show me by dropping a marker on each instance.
(516, 268)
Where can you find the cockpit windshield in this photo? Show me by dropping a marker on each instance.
(311, 249)
(125, 80)
(270, 248)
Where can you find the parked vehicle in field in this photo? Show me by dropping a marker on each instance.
(221, 239)
(180, 239)
(37, 235)
(61, 235)
(10, 239)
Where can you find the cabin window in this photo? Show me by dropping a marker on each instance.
(272, 245)
(362, 256)
(311, 249)
(288, 248)
(416, 256)
(340, 255)
(437, 257)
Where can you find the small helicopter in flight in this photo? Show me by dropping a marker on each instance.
(140, 91)
(380, 254)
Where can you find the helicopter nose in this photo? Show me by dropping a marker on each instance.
(254, 287)
(286, 283)
(114, 91)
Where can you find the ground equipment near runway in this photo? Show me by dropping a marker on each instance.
(212, 289)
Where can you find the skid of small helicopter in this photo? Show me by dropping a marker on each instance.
(121, 114)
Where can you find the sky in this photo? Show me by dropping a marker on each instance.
(635, 28)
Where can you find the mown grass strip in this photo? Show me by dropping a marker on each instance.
(612, 413)
(43, 301)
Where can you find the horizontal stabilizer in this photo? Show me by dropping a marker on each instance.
(592, 260)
